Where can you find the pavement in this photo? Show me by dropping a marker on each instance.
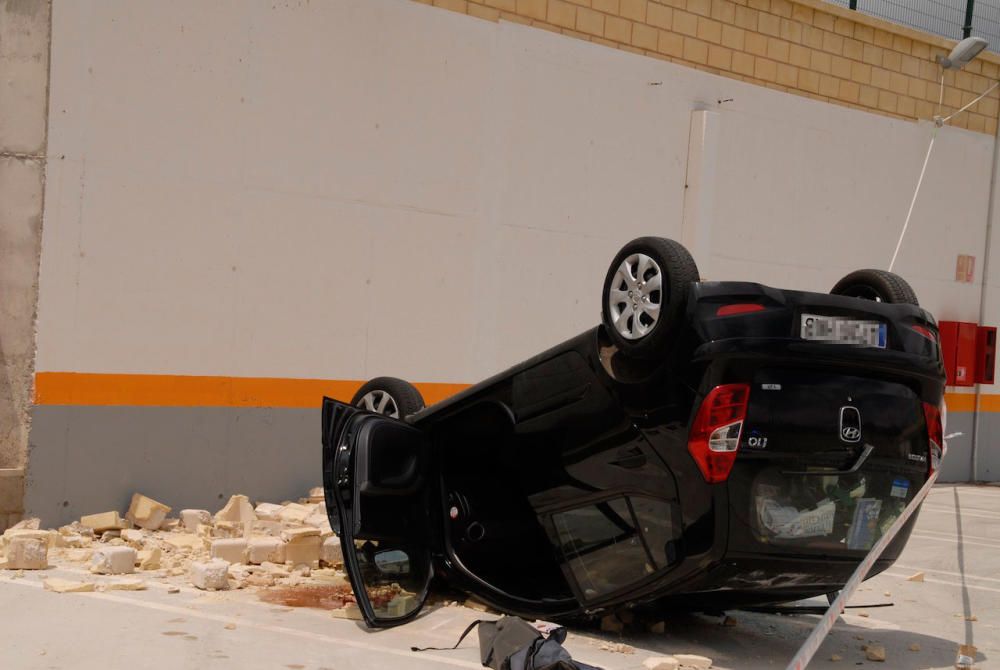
(956, 545)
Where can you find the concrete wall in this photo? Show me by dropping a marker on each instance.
(257, 203)
(24, 63)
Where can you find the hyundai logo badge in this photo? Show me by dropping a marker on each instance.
(850, 424)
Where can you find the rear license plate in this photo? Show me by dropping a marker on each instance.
(839, 330)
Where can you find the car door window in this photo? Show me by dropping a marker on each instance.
(610, 545)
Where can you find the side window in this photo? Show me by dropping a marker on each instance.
(615, 543)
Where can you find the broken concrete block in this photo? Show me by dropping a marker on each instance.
(104, 521)
(146, 512)
(348, 611)
(295, 534)
(32, 523)
(113, 561)
(875, 652)
(57, 585)
(183, 541)
(109, 535)
(265, 550)
(124, 585)
(133, 538)
(661, 663)
(27, 553)
(330, 552)
(693, 661)
(149, 559)
(190, 518)
(78, 555)
(294, 513)
(211, 575)
(238, 510)
(916, 577)
(303, 551)
(401, 605)
(268, 512)
(275, 569)
(230, 550)
(264, 527)
(27, 533)
(915, 646)
(612, 624)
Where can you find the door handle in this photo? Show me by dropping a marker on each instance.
(865, 453)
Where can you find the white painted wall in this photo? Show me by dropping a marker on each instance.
(362, 187)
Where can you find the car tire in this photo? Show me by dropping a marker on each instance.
(644, 294)
(877, 285)
(395, 398)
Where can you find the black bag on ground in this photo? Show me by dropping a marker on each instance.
(510, 643)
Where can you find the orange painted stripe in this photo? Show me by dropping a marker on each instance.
(87, 388)
(90, 388)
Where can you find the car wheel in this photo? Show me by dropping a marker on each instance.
(644, 294)
(390, 396)
(877, 285)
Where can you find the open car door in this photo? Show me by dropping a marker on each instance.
(375, 475)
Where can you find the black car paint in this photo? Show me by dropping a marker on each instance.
(582, 423)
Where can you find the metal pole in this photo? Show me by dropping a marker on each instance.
(991, 212)
(970, 6)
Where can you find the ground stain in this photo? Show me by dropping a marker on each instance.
(172, 633)
(318, 597)
(295, 666)
(178, 620)
(190, 637)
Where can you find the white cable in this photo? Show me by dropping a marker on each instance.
(916, 191)
(986, 93)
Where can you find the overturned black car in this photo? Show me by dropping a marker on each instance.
(709, 445)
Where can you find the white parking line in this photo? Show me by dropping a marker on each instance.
(950, 510)
(280, 630)
(942, 581)
(954, 540)
(964, 536)
(946, 572)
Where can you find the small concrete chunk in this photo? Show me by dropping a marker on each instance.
(875, 652)
(237, 510)
(146, 512)
(149, 559)
(265, 550)
(330, 552)
(661, 663)
(211, 575)
(31, 523)
(133, 538)
(295, 534)
(124, 585)
(916, 577)
(349, 611)
(190, 518)
(57, 585)
(295, 513)
(27, 553)
(693, 661)
(104, 521)
(303, 551)
(230, 550)
(113, 561)
(268, 511)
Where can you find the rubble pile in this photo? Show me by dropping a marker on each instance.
(240, 546)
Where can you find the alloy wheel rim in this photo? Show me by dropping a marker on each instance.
(636, 296)
(379, 402)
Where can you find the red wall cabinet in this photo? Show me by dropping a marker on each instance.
(986, 354)
(958, 347)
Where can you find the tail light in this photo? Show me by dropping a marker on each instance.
(926, 332)
(715, 434)
(739, 308)
(935, 437)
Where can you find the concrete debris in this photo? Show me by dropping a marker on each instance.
(111, 535)
(612, 624)
(693, 661)
(113, 561)
(149, 559)
(916, 577)
(661, 663)
(836, 657)
(330, 553)
(268, 512)
(316, 495)
(971, 617)
(57, 585)
(211, 575)
(27, 553)
(915, 646)
(348, 611)
(230, 626)
(133, 538)
(295, 513)
(295, 534)
(146, 512)
(238, 510)
(26, 533)
(875, 652)
(125, 585)
(303, 550)
(174, 589)
(191, 518)
(617, 648)
(230, 550)
(32, 523)
(104, 521)
(265, 550)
